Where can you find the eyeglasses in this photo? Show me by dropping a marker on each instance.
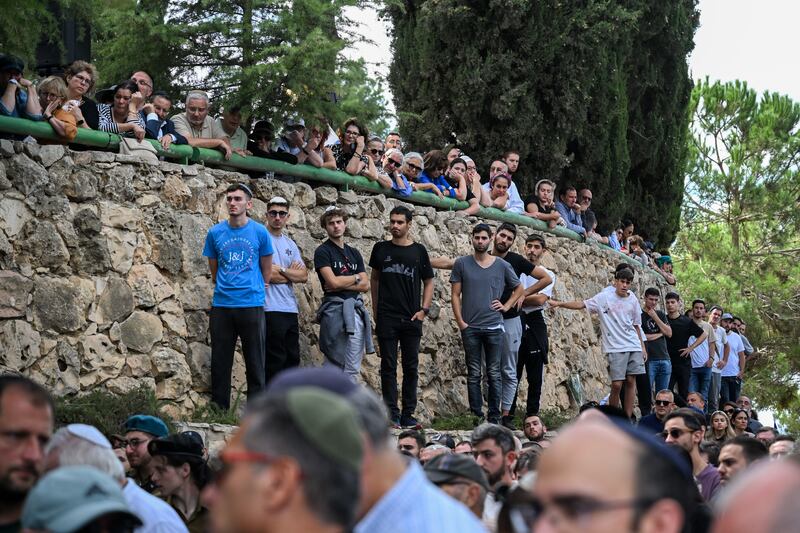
(277, 214)
(352, 132)
(228, 458)
(663, 403)
(728, 411)
(83, 79)
(413, 167)
(46, 94)
(141, 82)
(375, 151)
(567, 508)
(675, 433)
(135, 443)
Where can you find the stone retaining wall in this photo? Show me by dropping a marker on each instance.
(102, 281)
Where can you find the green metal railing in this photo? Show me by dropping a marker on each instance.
(185, 154)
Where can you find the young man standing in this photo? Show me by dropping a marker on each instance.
(345, 327)
(401, 270)
(678, 345)
(722, 353)
(532, 354)
(479, 281)
(620, 322)
(512, 325)
(656, 330)
(703, 355)
(280, 307)
(239, 252)
(733, 365)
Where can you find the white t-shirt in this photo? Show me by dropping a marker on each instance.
(618, 316)
(700, 354)
(737, 347)
(280, 296)
(528, 281)
(722, 340)
(156, 515)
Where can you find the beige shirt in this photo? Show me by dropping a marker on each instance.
(238, 139)
(210, 129)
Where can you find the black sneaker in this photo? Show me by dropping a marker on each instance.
(409, 422)
(495, 421)
(508, 421)
(395, 423)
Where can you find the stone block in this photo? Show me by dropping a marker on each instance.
(176, 192)
(27, 176)
(121, 247)
(14, 214)
(172, 373)
(115, 303)
(193, 231)
(43, 243)
(19, 345)
(196, 293)
(141, 331)
(14, 292)
(120, 217)
(80, 185)
(200, 364)
(148, 285)
(49, 154)
(326, 195)
(58, 304)
(100, 359)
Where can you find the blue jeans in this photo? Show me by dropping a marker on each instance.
(700, 381)
(659, 371)
(490, 343)
(730, 388)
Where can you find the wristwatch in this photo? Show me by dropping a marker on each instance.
(358, 279)
(426, 310)
(282, 270)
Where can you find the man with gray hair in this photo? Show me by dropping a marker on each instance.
(81, 444)
(200, 129)
(411, 169)
(393, 168)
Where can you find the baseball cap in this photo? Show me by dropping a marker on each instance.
(446, 468)
(727, 316)
(262, 126)
(329, 379)
(69, 497)
(147, 424)
(89, 433)
(329, 423)
(294, 121)
(180, 446)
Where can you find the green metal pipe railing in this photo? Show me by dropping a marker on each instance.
(187, 154)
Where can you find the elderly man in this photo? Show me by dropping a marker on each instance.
(229, 122)
(640, 485)
(569, 209)
(158, 126)
(200, 129)
(461, 478)
(26, 423)
(665, 404)
(585, 198)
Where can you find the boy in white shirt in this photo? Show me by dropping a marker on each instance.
(620, 323)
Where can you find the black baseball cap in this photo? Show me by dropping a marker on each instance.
(447, 468)
(181, 446)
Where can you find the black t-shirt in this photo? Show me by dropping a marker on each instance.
(402, 269)
(533, 199)
(656, 349)
(520, 266)
(683, 327)
(343, 262)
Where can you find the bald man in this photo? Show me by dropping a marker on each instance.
(639, 485)
(776, 488)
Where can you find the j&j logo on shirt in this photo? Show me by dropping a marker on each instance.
(236, 255)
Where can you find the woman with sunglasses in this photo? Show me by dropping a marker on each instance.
(80, 77)
(720, 429)
(57, 111)
(739, 421)
(349, 153)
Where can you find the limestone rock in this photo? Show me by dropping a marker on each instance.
(44, 244)
(304, 196)
(197, 325)
(14, 214)
(5, 184)
(200, 364)
(100, 360)
(59, 304)
(81, 186)
(196, 293)
(49, 154)
(14, 291)
(125, 384)
(115, 303)
(192, 238)
(326, 195)
(117, 216)
(26, 175)
(19, 345)
(176, 191)
(172, 316)
(141, 331)
(173, 376)
(348, 197)
(163, 230)
(121, 247)
(148, 285)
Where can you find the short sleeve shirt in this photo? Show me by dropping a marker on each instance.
(520, 266)
(737, 346)
(280, 296)
(618, 316)
(210, 128)
(238, 252)
(401, 271)
(656, 349)
(683, 327)
(479, 287)
(345, 261)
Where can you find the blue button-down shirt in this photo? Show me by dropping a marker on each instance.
(572, 218)
(415, 505)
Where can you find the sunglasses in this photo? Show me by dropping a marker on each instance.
(663, 403)
(412, 166)
(393, 162)
(277, 214)
(675, 433)
(375, 151)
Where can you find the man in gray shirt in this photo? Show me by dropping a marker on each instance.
(478, 282)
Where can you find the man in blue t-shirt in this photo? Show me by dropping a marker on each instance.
(239, 252)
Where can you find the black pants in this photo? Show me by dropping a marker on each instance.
(681, 374)
(408, 334)
(226, 324)
(532, 357)
(283, 343)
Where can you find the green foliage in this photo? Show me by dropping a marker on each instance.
(740, 244)
(106, 411)
(592, 93)
(211, 413)
(273, 57)
(451, 422)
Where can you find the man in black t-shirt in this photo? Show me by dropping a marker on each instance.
(503, 239)
(401, 270)
(345, 327)
(678, 347)
(656, 328)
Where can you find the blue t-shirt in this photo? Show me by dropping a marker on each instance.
(440, 182)
(238, 252)
(406, 190)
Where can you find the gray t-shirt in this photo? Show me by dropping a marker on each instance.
(280, 296)
(479, 286)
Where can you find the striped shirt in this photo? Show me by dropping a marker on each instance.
(107, 122)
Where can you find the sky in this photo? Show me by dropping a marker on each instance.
(751, 40)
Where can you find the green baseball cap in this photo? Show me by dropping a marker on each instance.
(329, 423)
(70, 497)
